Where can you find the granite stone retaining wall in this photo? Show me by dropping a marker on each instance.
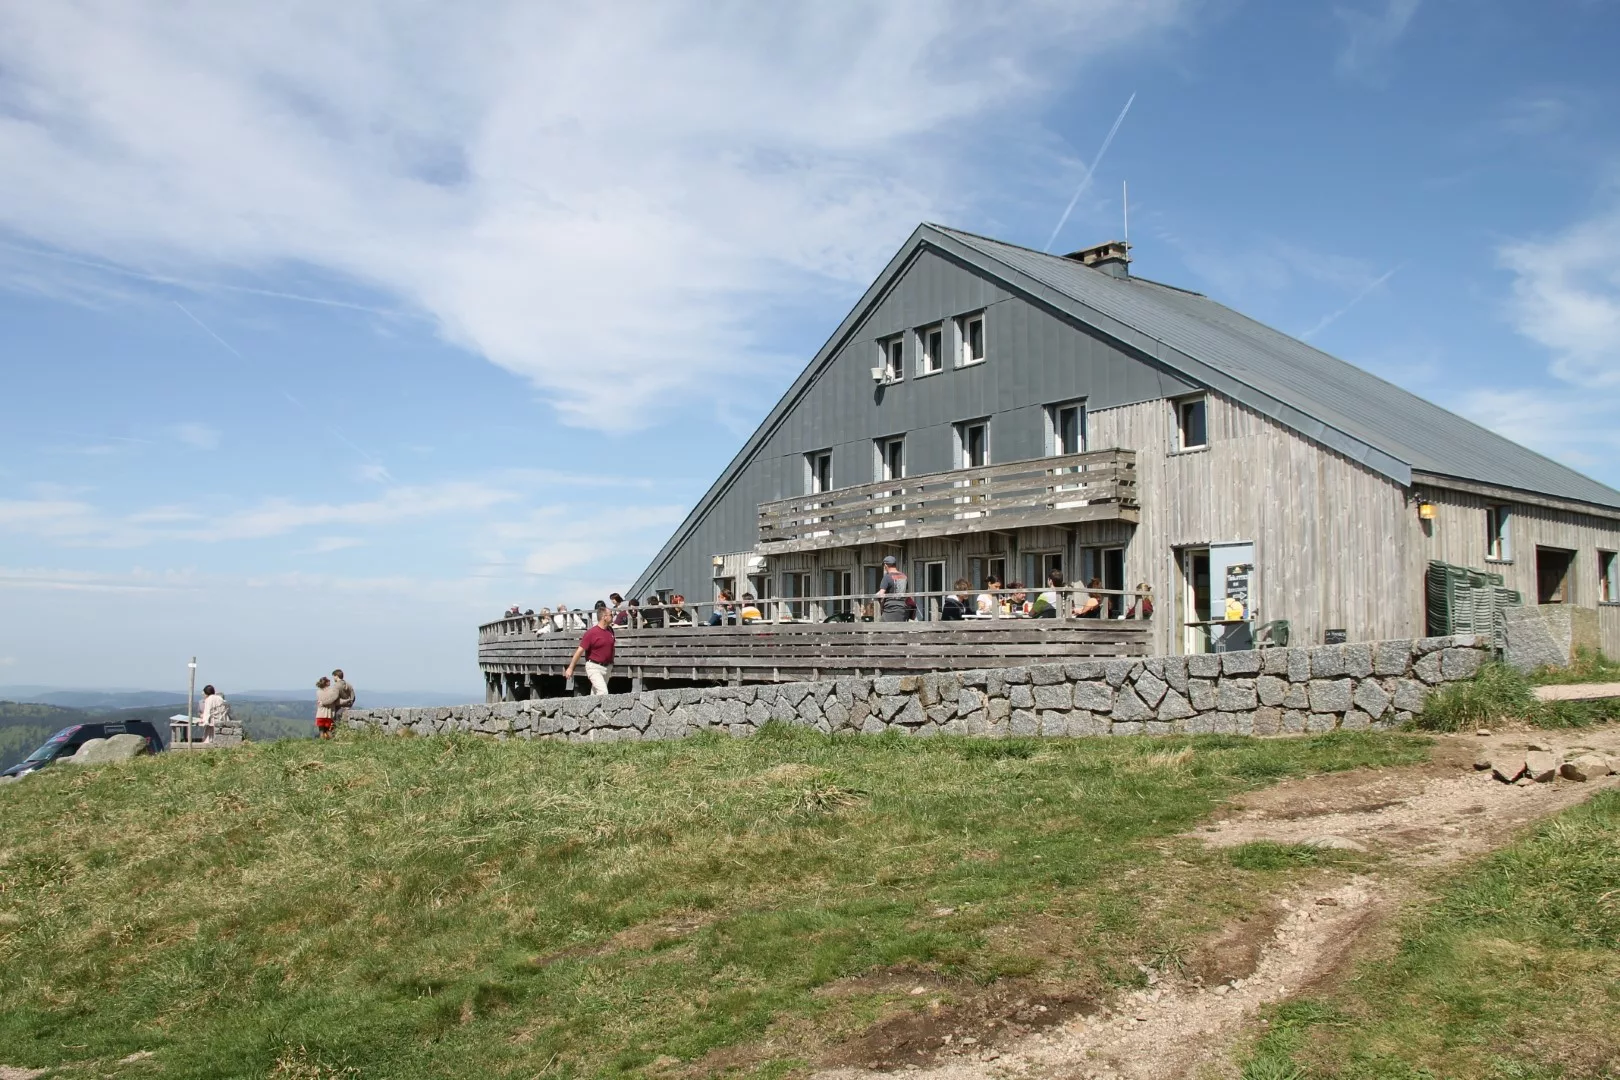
(1268, 692)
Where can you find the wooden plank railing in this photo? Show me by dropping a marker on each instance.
(771, 652)
(1094, 486)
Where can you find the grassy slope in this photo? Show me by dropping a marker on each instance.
(462, 907)
(1499, 695)
(1513, 972)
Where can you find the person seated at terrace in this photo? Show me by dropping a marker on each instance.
(679, 614)
(725, 610)
(954, 606)
(652, 613)
(1016, 603)
(1092, 607)
(632, 609)
(988, 603)
(1048, 603)
(1142, 607)
(621, 613)
(750, 609)
(545, 625)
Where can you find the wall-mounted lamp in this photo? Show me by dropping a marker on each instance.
(719, 561)
(1426, 511)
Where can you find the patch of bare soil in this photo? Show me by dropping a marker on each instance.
(1427, 814)
(15, 1072)
(1422, 815)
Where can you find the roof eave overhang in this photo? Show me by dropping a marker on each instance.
(1515, 495)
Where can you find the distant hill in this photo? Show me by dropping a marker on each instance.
(25, 725)
(107, 700)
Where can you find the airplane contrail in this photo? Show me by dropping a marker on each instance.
(1358, 298)
(1086, 180)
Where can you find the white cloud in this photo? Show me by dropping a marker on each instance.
(1371, 36)
(1566, 424)
(600, 197)
(197, 436)
(327, 544)
(1566, 298)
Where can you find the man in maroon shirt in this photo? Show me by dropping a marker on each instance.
(596, 646)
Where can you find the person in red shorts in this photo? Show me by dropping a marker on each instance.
(327, 695)
(596, 646)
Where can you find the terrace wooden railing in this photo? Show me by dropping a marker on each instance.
(774, 652)
(1095, 486)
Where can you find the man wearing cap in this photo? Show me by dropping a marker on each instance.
(891, 595)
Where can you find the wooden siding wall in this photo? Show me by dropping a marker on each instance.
(1457, 535)
(1328, 533)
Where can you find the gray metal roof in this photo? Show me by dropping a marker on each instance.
(1205, 340)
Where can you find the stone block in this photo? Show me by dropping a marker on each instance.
(1356, 720)
(1235, 695)
(1427, 668)
(1224, 723)
(1053, 697)
(1267, 721)
(889, 707)
(1175, 673)
(1203, 665)
(1541, 766)
(1115, 672)
(1084, 723)
(1128, 707)
(1299, 665)
(810, 713)
(1585, 767)
(1371, 698)
(1127, 728)
(1331, 695)
(1459, 664)
(1358, 659)
(1054, 723)
(1024, 722)
(1149, 687)
(1013, 675)
(640, 716)
(836, 713)
(1021, 697)
(980, 676)
(1293, 720)
(1201, 692)
(968, 701)
(999, 710)
(106, 751)
(1047, 674)
(995, 685)
(928, 690)
(1392, 657)
(940, 714)
(911, 714)
(1202, 724)
(1081, 670)
(1274, 662)
(1245, 662)
(1327, 661)
(1098, 697)
(873, 725)
(887, 685)
(1424, 646)
(1174, 707)
(1318, 722)
(1158, 727)
(1271, 689)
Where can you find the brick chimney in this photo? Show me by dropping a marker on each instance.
(1111, 258)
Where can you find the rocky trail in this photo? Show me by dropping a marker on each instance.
(1419, 817)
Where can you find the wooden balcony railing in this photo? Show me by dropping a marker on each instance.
(1096, 486)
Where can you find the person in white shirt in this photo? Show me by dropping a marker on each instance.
(215, 709)
(987, 603)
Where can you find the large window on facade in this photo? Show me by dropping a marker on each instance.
(930, 349)
(1066, 428)
(891, 458)
(892, 357)
(1192, 423)
(818, 471)
(1498, 547)
(1608, 578)
(973, 444)
(972, 337)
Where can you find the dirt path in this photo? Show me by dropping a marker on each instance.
(1425, 815)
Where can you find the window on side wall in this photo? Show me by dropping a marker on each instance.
(1608, 578)
(1192, 423)
(1066, 429)
(1498, 547)
(973, 444)
(972, 332)
(892, 357)
(818, 471)
(891, 458)
(930, 349)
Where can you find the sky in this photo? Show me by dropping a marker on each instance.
(329, 331)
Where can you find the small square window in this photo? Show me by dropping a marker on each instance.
(972, 330)
(1608, 578)
(1192, 423)
(930, 350)
(892, 357)
(1497, 545)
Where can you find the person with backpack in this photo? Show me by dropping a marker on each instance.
(326, 699)
(893, 603)
(1046, 604)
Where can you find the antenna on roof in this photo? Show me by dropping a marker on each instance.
(1085, 181)
(1125, 201)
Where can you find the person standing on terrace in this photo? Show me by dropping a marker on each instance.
(891, 595)
(596, 646)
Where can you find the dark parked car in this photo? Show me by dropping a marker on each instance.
(66, 743)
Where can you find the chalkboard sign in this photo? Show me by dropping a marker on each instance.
(1237, 585)
(1335, 637)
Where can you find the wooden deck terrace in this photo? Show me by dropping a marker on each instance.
(1099, 485)
(519, 663)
